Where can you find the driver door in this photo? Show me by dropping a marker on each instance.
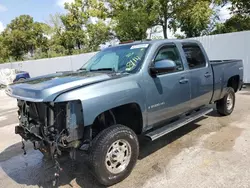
(168, 93)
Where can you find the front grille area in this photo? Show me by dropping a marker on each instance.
(43, 120)
(60, 123)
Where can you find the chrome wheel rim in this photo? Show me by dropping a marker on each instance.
(229, 101)
(118, 156)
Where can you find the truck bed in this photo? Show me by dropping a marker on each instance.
(223, 70)
(214, 62)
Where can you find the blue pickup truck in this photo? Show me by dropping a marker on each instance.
(147, 88)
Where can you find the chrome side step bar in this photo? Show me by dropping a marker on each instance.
(177, 124)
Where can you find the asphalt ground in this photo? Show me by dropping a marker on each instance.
(210, 152)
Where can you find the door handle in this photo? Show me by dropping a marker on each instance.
(183, 81)
(207, 74)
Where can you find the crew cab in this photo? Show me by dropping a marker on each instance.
(145, 88)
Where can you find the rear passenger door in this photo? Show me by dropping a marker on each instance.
(201, 76)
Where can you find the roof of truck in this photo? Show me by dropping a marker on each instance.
(158, 41)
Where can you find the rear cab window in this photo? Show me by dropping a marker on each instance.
(194, 55)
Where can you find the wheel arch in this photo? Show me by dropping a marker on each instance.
(129, 115)
(234, 82)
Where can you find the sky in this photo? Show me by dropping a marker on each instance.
(38, 9)
(41, 9)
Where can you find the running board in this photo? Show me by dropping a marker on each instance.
(177, 124)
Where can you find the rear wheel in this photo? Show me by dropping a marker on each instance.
(225, 106)
(113, 154)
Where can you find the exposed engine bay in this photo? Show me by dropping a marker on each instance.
(51, 126)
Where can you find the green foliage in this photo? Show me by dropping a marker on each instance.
(23, 35)
(234, 24)
(3, 50)
(74, 32)
(131, 19)
(131, 25)
(241, 6)
(80, 34)
(65, 34)
(97, 34)
(165, 11)
(194, 17)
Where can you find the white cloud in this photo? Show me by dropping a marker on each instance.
(3, 8)
(61, 3)
(224, 13)
(1, 27)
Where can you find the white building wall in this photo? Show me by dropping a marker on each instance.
(229, 46)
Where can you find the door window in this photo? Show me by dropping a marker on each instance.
(195, 56)
(170, 53)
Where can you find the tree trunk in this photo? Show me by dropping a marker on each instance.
(165, 34)
(79, 45)
(165, 27)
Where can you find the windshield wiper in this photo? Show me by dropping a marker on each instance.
(103, 69)
(82, 69)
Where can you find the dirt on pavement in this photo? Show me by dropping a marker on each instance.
(210, 152)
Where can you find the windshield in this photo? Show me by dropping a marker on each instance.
(125, 58)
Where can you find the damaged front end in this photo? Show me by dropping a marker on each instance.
(52, 127)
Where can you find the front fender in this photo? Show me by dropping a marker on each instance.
(99, 98)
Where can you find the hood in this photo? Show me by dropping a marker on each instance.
(46, 88)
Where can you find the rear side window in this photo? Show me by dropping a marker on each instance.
(195, 56)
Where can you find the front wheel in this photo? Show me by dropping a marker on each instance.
(225, 106)
(113, 154)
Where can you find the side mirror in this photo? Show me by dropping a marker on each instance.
(163, 66)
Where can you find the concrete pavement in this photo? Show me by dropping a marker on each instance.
(211, 152)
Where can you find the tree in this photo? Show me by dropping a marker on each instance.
(77, 23)
(23, 35)
(165, 13)
(55, 24)
(194, 17)
(96, 34)
(234, 24)
(131, 25)
(241, 6)
(73, 22)
(54, 32)
(131, 19)
(40, 32)
(3, 51)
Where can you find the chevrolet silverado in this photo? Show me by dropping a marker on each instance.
(145, 88)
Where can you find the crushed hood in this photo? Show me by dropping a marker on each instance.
(46, 88)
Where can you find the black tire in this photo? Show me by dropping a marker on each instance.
(103, 143)
(222, 105)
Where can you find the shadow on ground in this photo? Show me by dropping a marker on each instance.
(214, 113)
(34, 169)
